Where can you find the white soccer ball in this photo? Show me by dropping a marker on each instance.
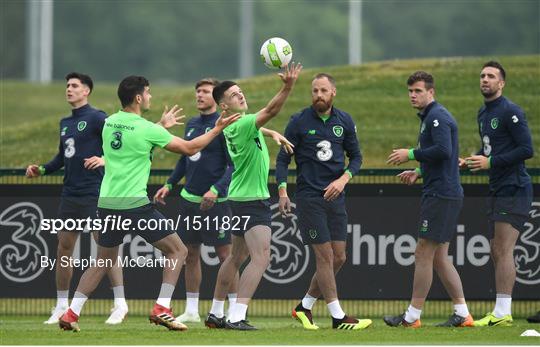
(276, 53)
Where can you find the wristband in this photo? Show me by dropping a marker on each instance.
(168, 186)
(349, 172)
(282, 185)
(41, 170)
(214, 190)
(411, 154)
(489, 162)
(418, 171)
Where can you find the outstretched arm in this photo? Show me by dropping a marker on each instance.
(179, 145)
(274, 106)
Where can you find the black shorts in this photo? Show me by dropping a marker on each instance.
(509, 204)
(322, 221)
(256, 212)
(153, 228)
(210, 231)
(438, 218)
(77, 208)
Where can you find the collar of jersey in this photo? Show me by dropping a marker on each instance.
(495, 102)
(80, 110)
(428, 108)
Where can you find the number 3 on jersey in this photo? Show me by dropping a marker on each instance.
(487, 146)
(69, 151)
(325, 153)
(117, 142)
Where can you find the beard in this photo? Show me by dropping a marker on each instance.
(488, 93)
(321, 106)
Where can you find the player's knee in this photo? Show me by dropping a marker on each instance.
(422, 254)
(178, 251)
(236, 259)
(340, 259)
(222, 254)
(498, 251)
(439, 263)
(325, 258)
(192, 258)
(262, 257)
(65, 248)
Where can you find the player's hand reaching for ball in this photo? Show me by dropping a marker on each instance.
(222, 122)
(291, 74)
(170, 118)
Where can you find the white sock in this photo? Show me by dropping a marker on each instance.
(412, 314)
(335, 310)
(218, 308)
(308, 301)
(238, 312)
(192, 303)
(232, 301)
(78, 302)
(62, 298)
(503, 305)
(165, 295)
(461, 310)
(119, 297)
(232, 298)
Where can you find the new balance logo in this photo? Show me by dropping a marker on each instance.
(311, 132)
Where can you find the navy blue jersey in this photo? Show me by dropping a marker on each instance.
(506, 139)
(438, 152)
(80, 138)
(320, 148)
(209, 167)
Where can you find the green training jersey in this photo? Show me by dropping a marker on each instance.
(249, 155)
(128, 145)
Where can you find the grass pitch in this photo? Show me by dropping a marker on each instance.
(136, 330)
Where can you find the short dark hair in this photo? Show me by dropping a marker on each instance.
(209, 80)
(493, 63)
(85, 79)
(421, 76)
(130, 87)
(220, 90)
(327, 76)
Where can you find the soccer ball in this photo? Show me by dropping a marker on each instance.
(276, 53)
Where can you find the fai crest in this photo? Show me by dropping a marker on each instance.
(494, 123)
(338, 130)
(81, 125)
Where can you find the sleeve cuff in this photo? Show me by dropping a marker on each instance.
(489, 162)
(418, 171)
(349, 172)
(282, 185)
(411, 154)
(42, 170)
(214, 190)
(168, 186)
